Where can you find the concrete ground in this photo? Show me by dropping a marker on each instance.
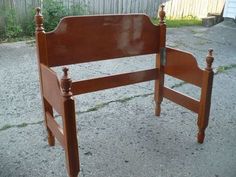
(119, 136)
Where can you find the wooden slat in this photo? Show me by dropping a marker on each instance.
(96, 84)
(56, 129)
(181, 99)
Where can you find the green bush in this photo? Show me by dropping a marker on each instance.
(78, 9)
(12, 29)
(28, 25)
(52, 10)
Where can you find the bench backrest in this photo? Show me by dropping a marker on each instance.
(84, 39)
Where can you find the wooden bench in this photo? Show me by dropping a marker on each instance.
(93, 38)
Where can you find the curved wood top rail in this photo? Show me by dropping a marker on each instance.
(91, 38)
(183, 65)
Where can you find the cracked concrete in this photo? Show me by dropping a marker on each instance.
(119, 136)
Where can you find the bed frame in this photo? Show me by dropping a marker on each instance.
(94, 38)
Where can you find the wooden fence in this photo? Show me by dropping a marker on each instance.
(174, 8)
(196, 8)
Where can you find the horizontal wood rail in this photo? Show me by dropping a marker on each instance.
(181, 99)
(55, 128)
(101, 83)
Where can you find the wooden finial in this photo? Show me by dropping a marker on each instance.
(38, 19)
(162, 14)
(66, 83)
(209, 60)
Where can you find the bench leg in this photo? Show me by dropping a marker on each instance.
(159, 84)
(205, 104)
(71, 145)
(202, 125)
(48, 108)
(158, 98)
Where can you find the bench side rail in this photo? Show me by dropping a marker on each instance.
(182, 65)
(51, 88)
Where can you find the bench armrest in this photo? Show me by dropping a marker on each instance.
(183, 65)
(51, 89)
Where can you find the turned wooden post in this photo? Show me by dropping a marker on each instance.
(42, 59)
(160, 62)
(205, 100)
(69, 126)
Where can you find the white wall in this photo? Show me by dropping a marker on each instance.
(230, 9)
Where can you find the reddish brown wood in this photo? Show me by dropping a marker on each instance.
(92, 38)
(159, 83)
(162, 15)
(42, 59)
(48, 109)
(69, 127)
(96, 84)
(56, 129)
(110, 36)
(183, 65)
(181, 99)
(66, 83)
(205, 100)
(51, 88)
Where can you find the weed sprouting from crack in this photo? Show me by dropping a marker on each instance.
(122, 100)
(223, 69)
(95, 108)
(7, 126)
(178, 84)
(22, 125)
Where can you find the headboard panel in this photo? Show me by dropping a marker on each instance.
(84, 39)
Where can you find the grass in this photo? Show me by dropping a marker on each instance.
(176, 23)
(222, 69)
